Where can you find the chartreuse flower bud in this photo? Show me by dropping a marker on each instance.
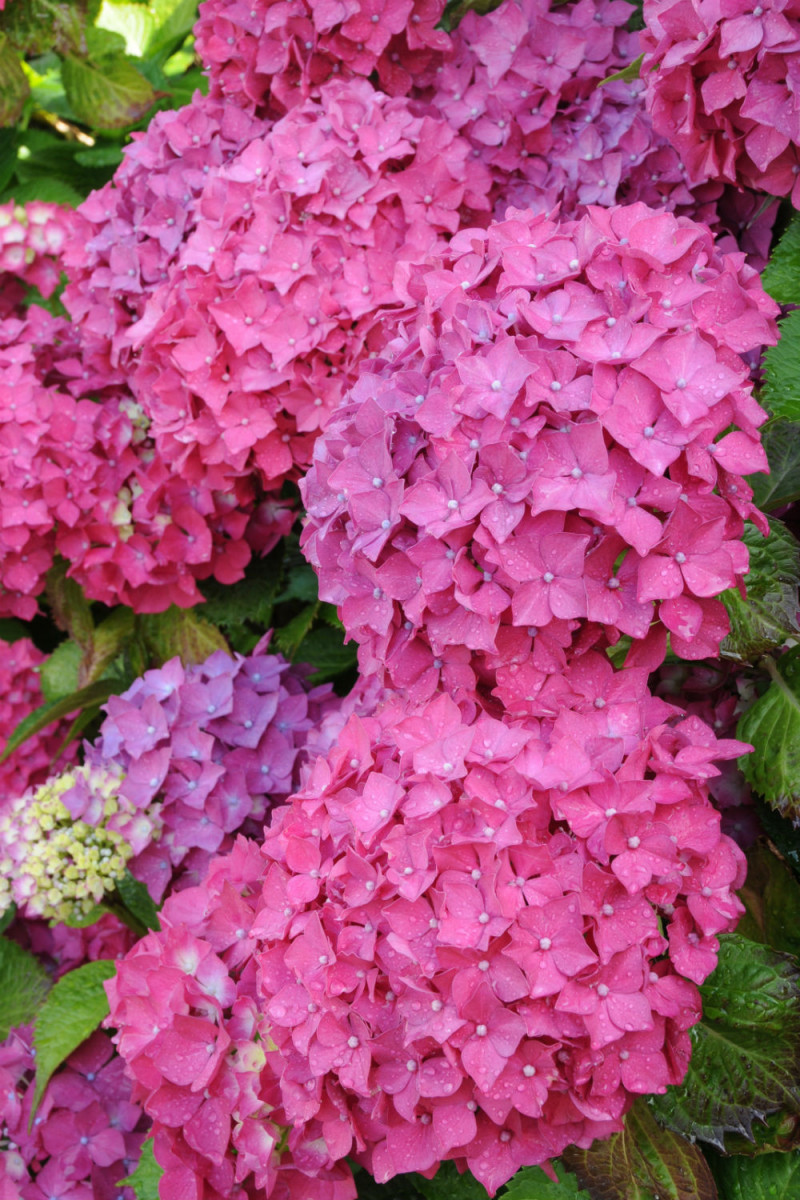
(52, 864)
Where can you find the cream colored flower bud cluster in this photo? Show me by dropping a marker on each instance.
(52, 864)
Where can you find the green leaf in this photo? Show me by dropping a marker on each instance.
(104, 155)
(781, 391)
(72, 1011)
(36, 26)
(7, 917)
(324, 650)
(133, 22)
(772, 727)
(23, 986)
(49, 191)
(627, 74)
(138, 901)
(108, 641)
(781, 277)
(531, 1183)
(69, 606)
(89, 697)
(244, 609)
(14, 86)
(768, 1177)
(290, 637)
(771, 895)
(768, 617)
(643, 1162)
(301, 584)
(746, 1049)
(59, 673)
(181, 632)
(84, 920)
(781, 442)
(174, 20)
(449, 1184)
(145, 1178)
(113, 97)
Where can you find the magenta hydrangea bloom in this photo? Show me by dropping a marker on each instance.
(246, 347)
(449, 946)
(722, 83)
(522, 86)
(545, 453)
(20, 694)
(270, 57)
(86, 1134)
(206, 751)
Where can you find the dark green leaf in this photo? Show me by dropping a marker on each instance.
(781, 391)
(182, 632)
(59, 673)
(89, 697)
(145, 1178)
(779, 1131)
(531, 1183)
(401, 1187)
(768, 617)
(324, 650)
(781, 833)
(767, 1177)
(290, 637)
(772, 727)
(113, 97)
(301, 584)
(643, 1162)
(244, 609)
(781, 441)
(14, 86)
(104, 155)
(138, 901)
(771, 895)
(781, 277)
(627, 74)
(72, 1011)
(9, 143)
(23, 986)
(11, 630)
(746, 1049)
(449, 1184)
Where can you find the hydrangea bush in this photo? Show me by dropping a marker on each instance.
(471, 309)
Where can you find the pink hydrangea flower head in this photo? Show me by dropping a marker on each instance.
(269, 58)
(720, 86)
(32, 238)
(531, 463)
(448, 946)
(273, 298)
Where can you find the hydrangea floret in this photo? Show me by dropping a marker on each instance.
(462, 939)
(546, 454)
(63, 845)
(721, 85)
